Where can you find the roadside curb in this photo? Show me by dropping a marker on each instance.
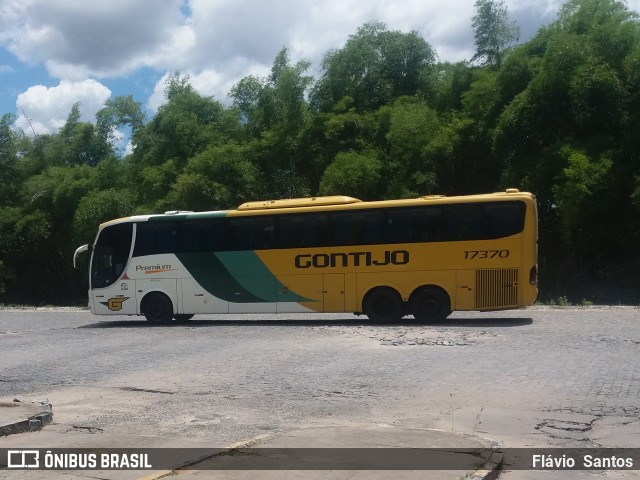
(26, 421)
(490, 470)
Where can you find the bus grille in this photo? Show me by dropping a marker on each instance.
(496, 288)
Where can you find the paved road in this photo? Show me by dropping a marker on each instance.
(537, 377)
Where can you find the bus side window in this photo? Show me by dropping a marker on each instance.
(343, 229)
(189, 237)
(504, 219)
(288, 231)
(400, 225)
(358, 228)
(241, 235)
(200, 236)
(263, 230)
(217, 236)
(300, 231)
(316, 231)
(464, 222)
(428, 225)
(167, 238)
(269, 234)
(152, 239)
(370, 228)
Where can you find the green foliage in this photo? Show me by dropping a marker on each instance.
(412, 128)
(183, 127)
(220, 177)
(119, 112)
(579, 183)
(8, 159)
(99, 206)
(450, 82)
(373, 68)
(558, 116)
(355, 174)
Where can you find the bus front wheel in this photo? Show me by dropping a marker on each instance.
(383, 304)
(157, 308)
(430, 304)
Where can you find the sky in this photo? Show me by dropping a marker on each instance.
(54, 54)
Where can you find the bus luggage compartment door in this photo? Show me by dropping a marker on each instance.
(487, 289)
(333, 292)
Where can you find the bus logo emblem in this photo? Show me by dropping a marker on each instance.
(115, 304)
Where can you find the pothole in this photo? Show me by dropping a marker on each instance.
(565, 429)
(83, 429)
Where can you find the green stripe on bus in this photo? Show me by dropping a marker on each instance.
(238, 277)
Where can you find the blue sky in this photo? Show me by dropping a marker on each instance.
(56, 53)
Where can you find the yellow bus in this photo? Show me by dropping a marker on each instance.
(424, 257)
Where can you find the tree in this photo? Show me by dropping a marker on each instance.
(117, 113)
(217, 178)
(412, 126)
(276, 102)
(274, 112)
(375, 67)
(494, 32)
(353, 174)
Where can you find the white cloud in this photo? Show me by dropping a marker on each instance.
(217, 42)
(45, 110)
(79, 39)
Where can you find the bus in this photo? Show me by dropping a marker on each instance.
(425, 257)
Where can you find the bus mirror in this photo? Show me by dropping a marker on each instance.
(78, 251)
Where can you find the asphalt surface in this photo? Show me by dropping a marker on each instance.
(530, 378)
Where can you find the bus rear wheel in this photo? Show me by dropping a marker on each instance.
(430, 304)
(157, 308)
(383, 305)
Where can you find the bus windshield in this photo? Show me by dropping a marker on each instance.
(110, 254)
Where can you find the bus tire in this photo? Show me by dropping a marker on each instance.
(384, 305)
(183, 317)
(157, 308)
(430, 304)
